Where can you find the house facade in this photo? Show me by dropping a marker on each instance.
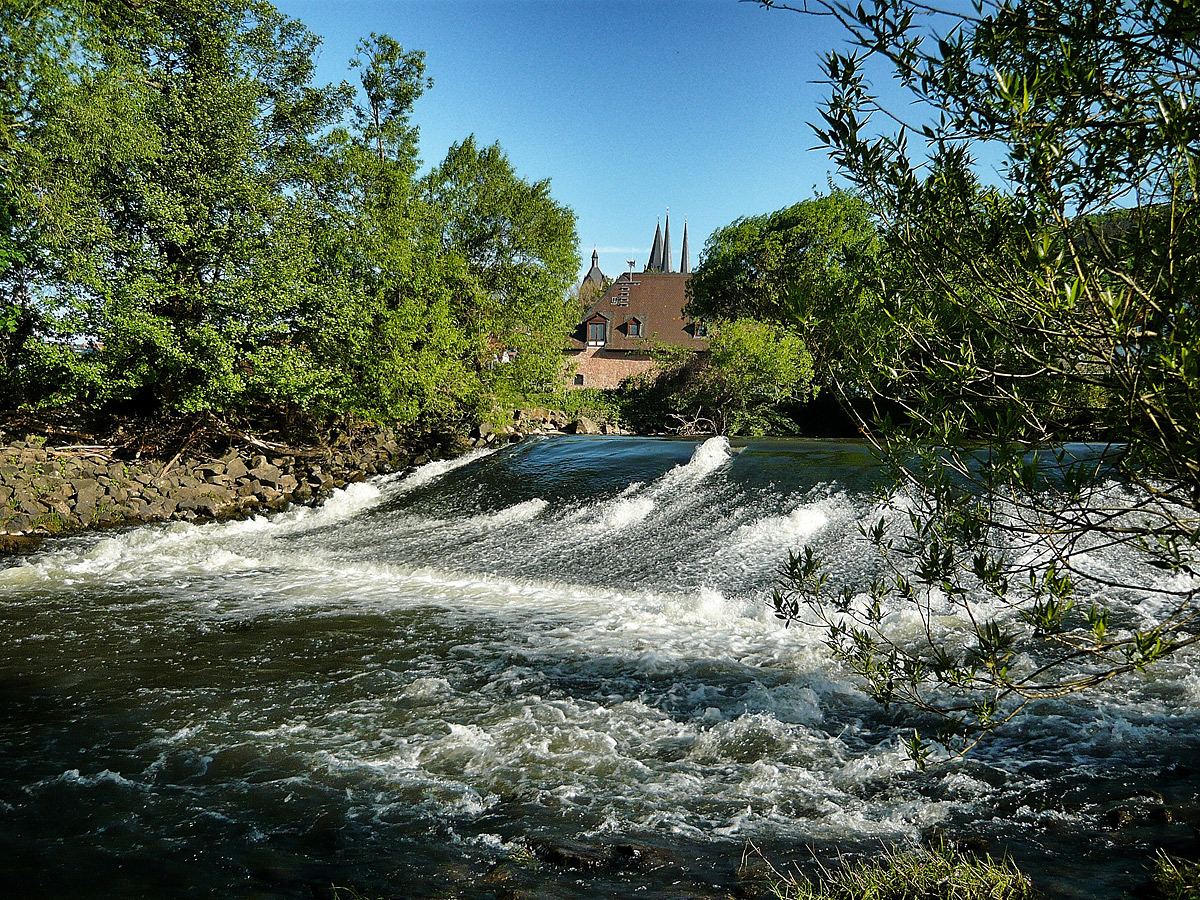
(611, 341)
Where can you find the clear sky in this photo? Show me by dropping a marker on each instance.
(628, 106)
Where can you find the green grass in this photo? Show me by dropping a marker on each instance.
(1177, 879)
(924, 874)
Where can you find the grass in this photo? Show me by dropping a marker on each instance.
(1176, 879)
(926, 874)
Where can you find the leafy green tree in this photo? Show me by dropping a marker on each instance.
(742, 385)
(805, 265)
(165, 170)
(516, 254)
(1073, 284)
(753, 369)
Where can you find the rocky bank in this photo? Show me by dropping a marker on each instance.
(51, 489)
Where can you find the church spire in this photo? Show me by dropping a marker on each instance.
(666, 260)
(684, 266)
(656, 252)
(596, 253)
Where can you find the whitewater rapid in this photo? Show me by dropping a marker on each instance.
(568, 637)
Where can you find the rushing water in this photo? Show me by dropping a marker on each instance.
(564, 640)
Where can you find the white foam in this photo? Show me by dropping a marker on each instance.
(155, 552)
(707, 458)
(518, 512)
(788, 531)
(625, 512)
(431, 471)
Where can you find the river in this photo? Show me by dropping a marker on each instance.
(563, 642)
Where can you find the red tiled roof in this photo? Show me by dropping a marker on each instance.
(656, 300)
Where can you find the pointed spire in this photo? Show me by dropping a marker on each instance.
(656, 252)
(596, 255)
(666, 260)
(684, 266)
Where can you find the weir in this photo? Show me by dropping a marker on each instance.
(566, 642)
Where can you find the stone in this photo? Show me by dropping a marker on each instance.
(235, 468)
(584, 425)
(204, 505)
(163, 507)
(32, 507)
(18, 523)
(266, 473)
(268, 494)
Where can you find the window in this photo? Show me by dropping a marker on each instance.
(700, 330)
(635, 328)
(595, 332)
(578, 381)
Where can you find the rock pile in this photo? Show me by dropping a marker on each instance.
(538, 420)
(46, 490)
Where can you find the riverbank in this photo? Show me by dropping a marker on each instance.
(52, 485)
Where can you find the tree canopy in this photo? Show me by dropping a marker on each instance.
(806, 265)
(188, 222)
(1071, 287)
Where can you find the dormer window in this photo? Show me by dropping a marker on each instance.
(634, 328)
(596, 333)
(700, 330)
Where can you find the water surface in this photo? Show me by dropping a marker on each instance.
(565, 640)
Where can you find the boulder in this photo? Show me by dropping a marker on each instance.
(31, 507)
(584, 425)
(235, 468)
(266, 473)
(205, 505)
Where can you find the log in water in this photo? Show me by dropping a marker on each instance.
(564, 643)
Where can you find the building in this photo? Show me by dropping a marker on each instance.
(594, 281)
(611, 342)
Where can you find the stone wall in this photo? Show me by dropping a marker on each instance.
(47, 490)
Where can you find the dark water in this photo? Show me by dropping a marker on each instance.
(564, 641)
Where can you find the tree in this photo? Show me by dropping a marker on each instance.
(166, 168)
(754, 368)
(742, 385)
(516, 254)
(1074, 283)
(805, 265)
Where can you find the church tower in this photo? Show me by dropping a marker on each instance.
(656, 252)
(667, 265)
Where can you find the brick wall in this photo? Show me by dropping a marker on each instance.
(602, 368)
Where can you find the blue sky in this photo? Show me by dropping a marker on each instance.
(628, 106)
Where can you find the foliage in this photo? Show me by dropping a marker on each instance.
(188, 223)
(516, 254)
(598, 404)
(1011, 312)
(1176, 879)
(752, 369)
(930, 874)
(806, 265)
